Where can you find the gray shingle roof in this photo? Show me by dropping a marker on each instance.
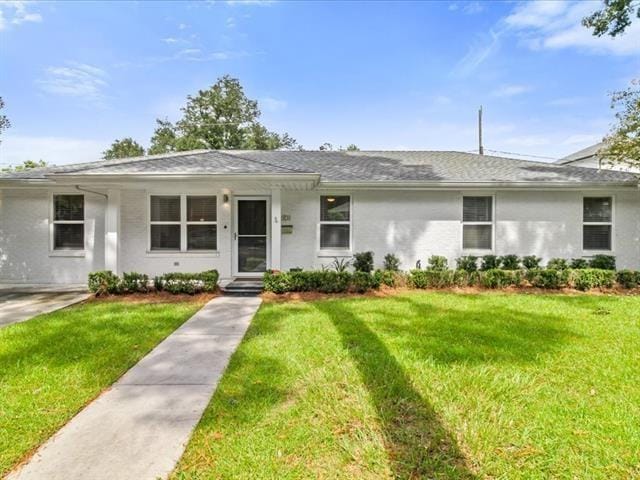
(336, 167)
(581, 154)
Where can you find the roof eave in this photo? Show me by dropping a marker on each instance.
(394, 185)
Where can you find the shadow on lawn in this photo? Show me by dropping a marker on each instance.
(417, 443)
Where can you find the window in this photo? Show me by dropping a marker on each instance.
(68, 222)
(183, 222)
(335, 222)
(477, 223)
(597, 217)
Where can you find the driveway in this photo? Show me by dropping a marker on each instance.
(18, 306)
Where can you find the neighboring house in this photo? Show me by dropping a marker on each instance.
(589, 158)
(242, 212)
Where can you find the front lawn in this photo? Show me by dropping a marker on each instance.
(429, 385)
(53, 365)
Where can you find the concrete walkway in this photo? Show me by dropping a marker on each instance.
(139, 428)
(20, 306)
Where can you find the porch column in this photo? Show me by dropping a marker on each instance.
(276, 230)
(112, 232)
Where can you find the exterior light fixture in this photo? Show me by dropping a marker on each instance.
(225, 198)
(331, 199)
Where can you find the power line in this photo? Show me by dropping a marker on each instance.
(522, 154)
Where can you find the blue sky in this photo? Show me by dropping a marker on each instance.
(75, 76)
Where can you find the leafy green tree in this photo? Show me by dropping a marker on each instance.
(26, 165)
(614, 18)
(352, 148)
(4, 121)
(221, 117)
(127, 147)
(328, 147)
(622, 144)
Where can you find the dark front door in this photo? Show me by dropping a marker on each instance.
(251, 235)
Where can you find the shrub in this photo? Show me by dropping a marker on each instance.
(135, 282)
(489, 262)
(104, 282)
(333, 282)
(391, 262)
(340, 264)
(467, 263)
(589, 278)
(190, 283)
(438, 263)
(276, 281)
(557, 264)
(531, 261)
(603, 262)
(157, 283)
(361, 282)
(386, 277)
(304, 281)
(498, 278)
(363, 262)
(579, 263)
(510, 262)
(548, 278)
(431, 278)
(628, 278)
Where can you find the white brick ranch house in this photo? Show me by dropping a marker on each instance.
(242, 212)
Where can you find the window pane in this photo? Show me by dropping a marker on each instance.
(201, 209)
(334, 236)
(477, 209)
(476, 237)
(252, 254)
(596, 237)
(68, 207)
(68, 236)
(335, 209)
(252, 217)
(201, 237)
(165, 237)
(165, 208)
(597, 209)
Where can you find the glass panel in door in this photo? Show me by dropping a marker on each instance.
(252, 236)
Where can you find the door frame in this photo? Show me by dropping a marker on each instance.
(234, 234)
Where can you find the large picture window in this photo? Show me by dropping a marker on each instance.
(335, 222)
(597, 217)
(183, 222)
(68, 222)
(477, 223)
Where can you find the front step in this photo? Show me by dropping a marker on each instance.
(243, 288)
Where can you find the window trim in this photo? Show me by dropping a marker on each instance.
(183, 223)
(66, 252)
(482, 251)
(589, 252)
(334, 252)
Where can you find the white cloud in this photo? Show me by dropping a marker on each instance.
(75, 80)
(15, 13)
(15, 149)
(231, 22)
(271, 104)
(260, 3)
(511, 90)
(558, 25)
(182, 26)
(478, 52)
(170, 40)
(468, 8)
(583, 139)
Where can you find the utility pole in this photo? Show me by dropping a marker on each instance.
(480, 147)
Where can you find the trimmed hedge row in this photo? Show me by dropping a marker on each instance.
(107, 282)
(327, 281)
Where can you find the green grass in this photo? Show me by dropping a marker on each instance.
(53, 365)
(429, 385)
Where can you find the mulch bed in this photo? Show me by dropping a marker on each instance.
(155, 297)
(270, 297)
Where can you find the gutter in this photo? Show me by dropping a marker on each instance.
(630, 184)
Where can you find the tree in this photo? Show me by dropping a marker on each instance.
(221, 117)
(328, 147)
(622, 144)
(127, 147)
(4, 121)
(614, 18)
(26, 165)
(352, 148)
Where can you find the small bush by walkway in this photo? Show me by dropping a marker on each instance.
(54, 364)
